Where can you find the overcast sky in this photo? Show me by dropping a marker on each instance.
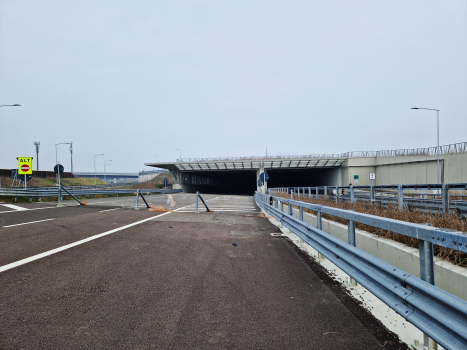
(137, 80)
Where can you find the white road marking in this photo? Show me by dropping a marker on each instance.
(71, 245)
(107, 210)
(15, 207)
(27, 223)
(15, 211)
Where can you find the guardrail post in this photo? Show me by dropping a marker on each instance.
(427, 274)
(372, 193)
(352, 194)
(319, 226)
(282, 206)
(309, 192)
(290, 209)
(352, 242)
(337, 194)
(400, 196)
(325, 191)
(137, 199)
(317, 191)
(197, 194)
(300, 213)
(445, 198)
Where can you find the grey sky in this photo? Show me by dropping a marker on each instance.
(138, 79)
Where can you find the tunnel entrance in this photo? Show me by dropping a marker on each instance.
(244, 181)
(226, 182)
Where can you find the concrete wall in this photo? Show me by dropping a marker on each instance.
(448, 276)
(406, 170)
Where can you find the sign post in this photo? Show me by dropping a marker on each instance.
(58, 169)
(263, 178)
(25, 168)
(372, 188)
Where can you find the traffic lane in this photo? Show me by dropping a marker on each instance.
(11, 207)
(20, 242)
(154, 286)
(18, 217)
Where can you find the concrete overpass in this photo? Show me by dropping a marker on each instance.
(241, 174)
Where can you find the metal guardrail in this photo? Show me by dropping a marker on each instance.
(389, 194)
(54, 191)
(430, 151)
(439, 314)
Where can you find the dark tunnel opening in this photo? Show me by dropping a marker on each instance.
(244, 181)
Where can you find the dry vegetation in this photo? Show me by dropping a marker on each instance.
(155, 183)
(50, 182)
(449, 221)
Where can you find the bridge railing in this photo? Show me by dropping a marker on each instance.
(439, 314)
(429, 151)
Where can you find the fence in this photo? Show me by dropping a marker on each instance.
(439, 314)
(391, 195)
(429, 151)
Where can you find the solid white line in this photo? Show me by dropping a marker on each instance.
(27, 223)
(107, 210)
(71, 245)
(15, 207)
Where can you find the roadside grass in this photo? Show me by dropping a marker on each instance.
(450, 221)
(50, 182)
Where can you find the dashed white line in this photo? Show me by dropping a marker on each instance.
(108, 210)
(15, 207)
(27, 223)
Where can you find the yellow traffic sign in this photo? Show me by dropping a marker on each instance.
(24, 165)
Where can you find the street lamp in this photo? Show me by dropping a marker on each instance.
(95, 173)
(105, 174)
(437, 123)
(15, 105)
(180, 153)
(71, 153)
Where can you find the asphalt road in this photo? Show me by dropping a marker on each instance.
(106, 276)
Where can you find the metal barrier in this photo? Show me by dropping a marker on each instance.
(202, 200)
(439, 314)
(389, 194)
(55, 191)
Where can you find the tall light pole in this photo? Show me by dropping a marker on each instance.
(105, 174)
(71, 153)
(437, 123)
(37, 144)
(180, 153)
(95, 173)
(56, 159)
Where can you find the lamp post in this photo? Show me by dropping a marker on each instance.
(71, 153)
(105, 174)
(180, 153)
(437, 147)
(95, 173)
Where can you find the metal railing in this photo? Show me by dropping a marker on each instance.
(439, 314)
(429, 151)
(55, 191)
(387, 195)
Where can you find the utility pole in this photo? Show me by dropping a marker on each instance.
(71, 153)
(37, 144)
